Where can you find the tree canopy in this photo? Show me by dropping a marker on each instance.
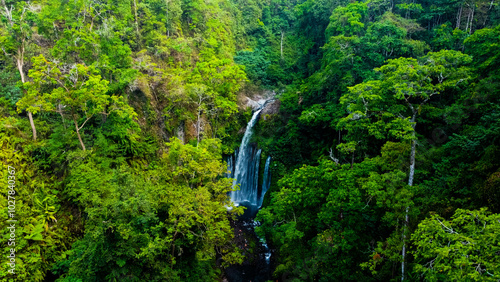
(382, 125)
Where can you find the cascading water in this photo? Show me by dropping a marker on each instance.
(246, 169)
(243, 167)
(266, 182)
(255, 172)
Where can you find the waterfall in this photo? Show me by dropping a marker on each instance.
(266, 182)
(245, 167)
(255, 183)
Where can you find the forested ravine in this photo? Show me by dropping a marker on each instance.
(138, 139)
(243, 167)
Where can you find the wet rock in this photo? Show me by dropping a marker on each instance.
(271, 108)
(255, 267)
(255, 100)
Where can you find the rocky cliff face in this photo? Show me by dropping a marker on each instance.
(255, 101)
(271, 108)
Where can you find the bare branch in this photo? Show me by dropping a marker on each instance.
(450, 230)
(333, 157)
(85, 122)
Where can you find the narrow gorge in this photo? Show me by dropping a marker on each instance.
(238, 140)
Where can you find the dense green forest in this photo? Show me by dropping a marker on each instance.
(116, 117)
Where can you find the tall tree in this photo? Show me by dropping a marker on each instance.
(75, 90)
(16, 37)
(394, 102)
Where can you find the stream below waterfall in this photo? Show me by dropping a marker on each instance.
(257, 264)
(244, 167)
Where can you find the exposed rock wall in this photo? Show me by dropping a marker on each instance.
(271, 108)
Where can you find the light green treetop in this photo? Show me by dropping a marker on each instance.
(77, 91)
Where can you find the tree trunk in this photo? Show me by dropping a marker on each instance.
(136, 21)
(281, 44)
(467, 25)
(32, 123)
(168, 27)
(459, 17)
(78, 133)
(198, 124)
(412, 161)
(410, 183)
(403, 251)
(59, 110)
(20, 63)
(472, 18)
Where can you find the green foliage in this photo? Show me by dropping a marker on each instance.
(408, 84)
(79, 91)
(356, 88)
(255, 65)
(464, 247)
(482, 46)
(447, 38)
(348, 21)
(16, 29)
(8, 88)
(367, 66)
(323, 217)
(41, 237)
(166, 223)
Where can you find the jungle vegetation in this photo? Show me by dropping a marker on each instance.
(117, 115)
